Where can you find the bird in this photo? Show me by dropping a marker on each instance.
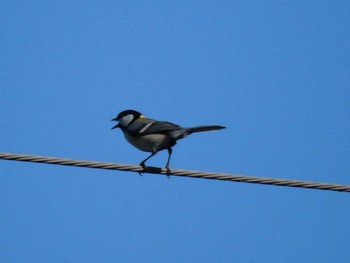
(150, 135)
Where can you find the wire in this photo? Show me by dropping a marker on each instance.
(176, 172)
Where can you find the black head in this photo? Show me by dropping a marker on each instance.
(126, 117)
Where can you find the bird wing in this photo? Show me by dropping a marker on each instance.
(159, 127)
(150, 126)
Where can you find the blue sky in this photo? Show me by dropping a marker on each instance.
(275, 73)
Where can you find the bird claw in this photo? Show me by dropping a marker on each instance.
(142, 164)
(153, 169)
(168, 172)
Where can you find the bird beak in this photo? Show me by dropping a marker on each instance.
(116, 126)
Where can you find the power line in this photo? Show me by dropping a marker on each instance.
(176, 172)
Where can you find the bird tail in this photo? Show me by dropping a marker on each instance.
(204, 128)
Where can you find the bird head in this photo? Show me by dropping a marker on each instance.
(125, 118)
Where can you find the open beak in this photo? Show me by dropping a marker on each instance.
(116, 126)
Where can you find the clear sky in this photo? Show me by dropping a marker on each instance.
(276, 73)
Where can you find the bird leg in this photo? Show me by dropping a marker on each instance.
(144, 161)
(167, 163)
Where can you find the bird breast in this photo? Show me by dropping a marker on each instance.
(148, 143)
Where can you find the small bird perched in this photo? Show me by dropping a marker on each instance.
(152, 136)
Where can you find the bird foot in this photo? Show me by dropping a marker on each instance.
(142, 164)
(168, 172)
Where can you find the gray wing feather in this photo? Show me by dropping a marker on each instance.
(161, 127)
(150, 126)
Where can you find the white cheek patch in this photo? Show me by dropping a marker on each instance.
(125, 121)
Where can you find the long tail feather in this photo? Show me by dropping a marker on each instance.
(204, 128)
